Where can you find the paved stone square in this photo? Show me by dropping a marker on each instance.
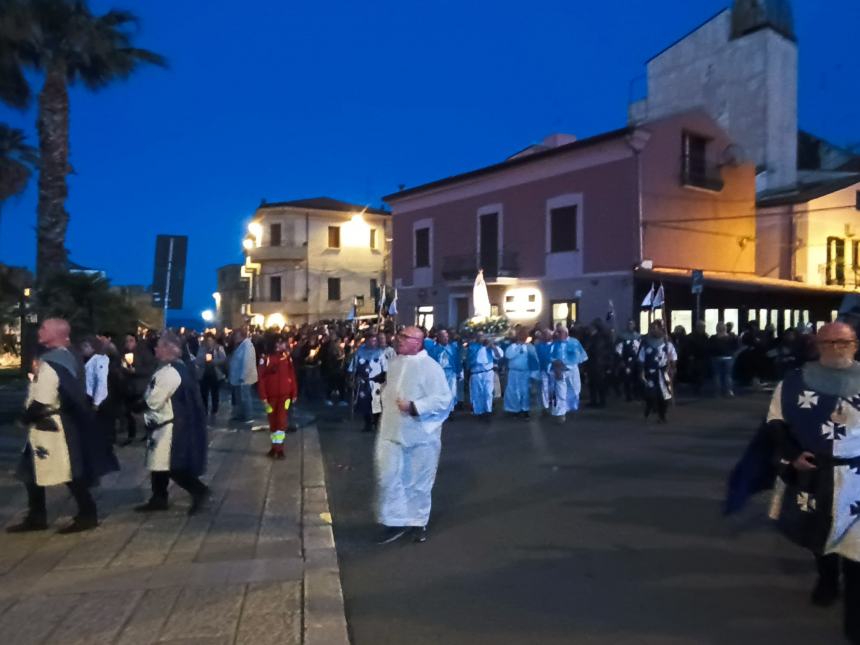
(258, 566)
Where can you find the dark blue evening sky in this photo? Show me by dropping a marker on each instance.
(281, 100)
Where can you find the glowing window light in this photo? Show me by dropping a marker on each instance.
(523, 303)
(256, 230)
(275, 320)
(356, 232)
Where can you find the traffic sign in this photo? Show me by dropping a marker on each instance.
(698, 281)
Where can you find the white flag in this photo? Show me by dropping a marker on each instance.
(648, 303)
(659, 298)
(381, 300)
(392, 308)
(480, 297)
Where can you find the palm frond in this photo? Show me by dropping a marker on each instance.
(18, 160)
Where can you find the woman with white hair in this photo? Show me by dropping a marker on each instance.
(176, 428)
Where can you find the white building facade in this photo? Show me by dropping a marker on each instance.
(314, 259)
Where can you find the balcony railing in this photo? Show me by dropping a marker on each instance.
(263, 253)
(464, 267)
(699, 173)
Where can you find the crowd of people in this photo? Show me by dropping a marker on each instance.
(405, 382)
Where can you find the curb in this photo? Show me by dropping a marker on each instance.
(324, 615)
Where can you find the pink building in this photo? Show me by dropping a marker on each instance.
(562, 228)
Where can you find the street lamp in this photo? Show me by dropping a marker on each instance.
(208, 316)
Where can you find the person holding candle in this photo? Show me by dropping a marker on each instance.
(138, 366)
(210, 362)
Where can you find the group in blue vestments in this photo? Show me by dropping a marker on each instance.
(523, 365)
(447, 354)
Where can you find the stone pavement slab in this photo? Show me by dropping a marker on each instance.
(257, 567)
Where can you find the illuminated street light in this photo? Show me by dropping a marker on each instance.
(208, 315)
(256, 231)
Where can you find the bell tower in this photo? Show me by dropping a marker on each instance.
(741, 67)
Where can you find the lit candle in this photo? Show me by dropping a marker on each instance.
(129, 359)
(208, 358)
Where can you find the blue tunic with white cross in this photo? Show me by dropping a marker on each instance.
(829, 427)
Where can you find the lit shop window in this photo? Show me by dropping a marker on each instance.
(424, 317)
(712, 317)
(682, 317)
(564, 313)
(731, 316)
(523, 304)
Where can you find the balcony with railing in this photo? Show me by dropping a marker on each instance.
(696, 172)
(282, 252)
(505, 264)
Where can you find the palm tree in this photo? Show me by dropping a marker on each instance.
(17, 161)
(65, 42)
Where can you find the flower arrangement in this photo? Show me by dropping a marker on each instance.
(492, 325)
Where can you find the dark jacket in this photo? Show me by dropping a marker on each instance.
(189, 444)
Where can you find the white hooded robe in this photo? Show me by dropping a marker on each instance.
(408, 447)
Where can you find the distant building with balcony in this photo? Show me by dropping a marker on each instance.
(562, 228)
(311, 259)
(711, 173)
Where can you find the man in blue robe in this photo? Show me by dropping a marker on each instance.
(482, 357)
(522, 361)
(569, 352)
(447, 354)
(543, 349)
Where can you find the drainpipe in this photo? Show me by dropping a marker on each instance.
(636, 141)
(307, 264)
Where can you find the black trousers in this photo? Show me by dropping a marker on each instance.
(210, 388)
(371, 421)
(828, 571)
(187, 481)
(79, 490)
(597, 387)
(631, 386)
(656, 403)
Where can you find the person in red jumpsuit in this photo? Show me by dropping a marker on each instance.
(278, 390)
